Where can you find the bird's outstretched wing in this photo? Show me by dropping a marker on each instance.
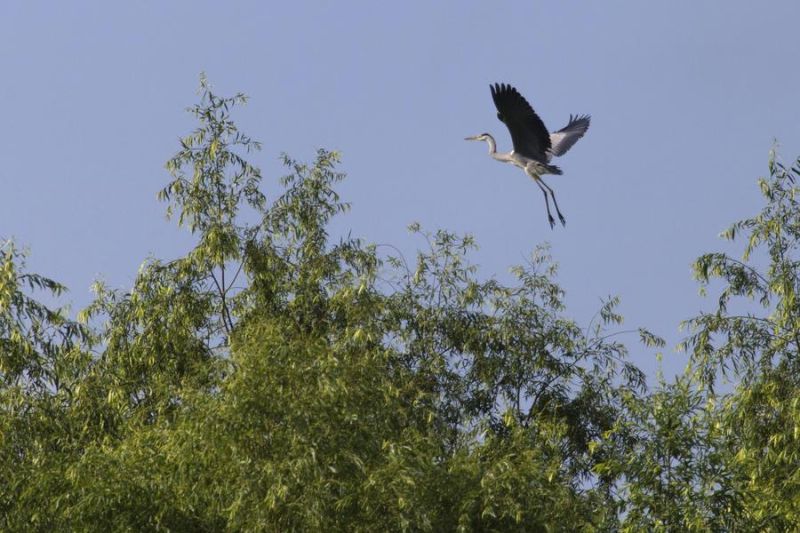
(528, 133)
(563, 139)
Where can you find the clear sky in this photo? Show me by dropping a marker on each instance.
(686, 98)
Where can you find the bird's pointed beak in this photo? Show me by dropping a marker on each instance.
(473, 138)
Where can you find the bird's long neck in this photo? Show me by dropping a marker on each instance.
(504, 157)
(492, 145)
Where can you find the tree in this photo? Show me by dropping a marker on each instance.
(43, 363)
(273, 379)
(758, 346)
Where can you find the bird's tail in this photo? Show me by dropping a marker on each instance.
(539, 168)
(552, 169)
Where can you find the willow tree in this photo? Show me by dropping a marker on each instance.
(277, 378)
(753, 339)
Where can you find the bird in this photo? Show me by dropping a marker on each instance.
(534, 145)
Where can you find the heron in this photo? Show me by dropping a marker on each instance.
(534, 146)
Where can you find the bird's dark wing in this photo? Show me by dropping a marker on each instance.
(563, 139)
(528, 133)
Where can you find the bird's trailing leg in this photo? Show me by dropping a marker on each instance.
(547, 204)
(560, 216)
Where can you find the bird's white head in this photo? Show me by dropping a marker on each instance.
(484, 137)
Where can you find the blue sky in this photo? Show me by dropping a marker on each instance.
(686, 99)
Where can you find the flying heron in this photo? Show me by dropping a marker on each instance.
(534, 146)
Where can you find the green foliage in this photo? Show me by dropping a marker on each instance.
(40, 349)
(208, 202)
(760, 348)
(43, 364)
(276, 379)
(666, 451)
(751, 342)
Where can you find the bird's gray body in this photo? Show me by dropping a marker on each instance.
(534, 146)
(532, 167)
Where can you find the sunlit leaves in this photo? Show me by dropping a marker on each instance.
(35, 340)
(754, 427)
(279, 378)
(754, 339)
